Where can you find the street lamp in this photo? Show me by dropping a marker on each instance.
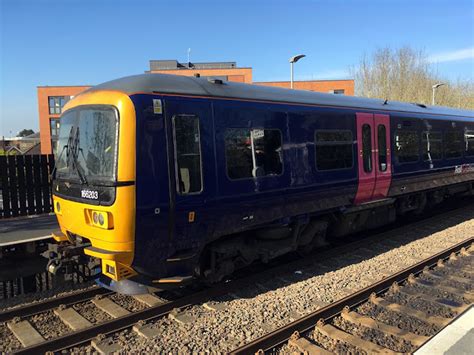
(293, 60)
(435, 86)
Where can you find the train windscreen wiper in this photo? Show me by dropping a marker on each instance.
(73, 151)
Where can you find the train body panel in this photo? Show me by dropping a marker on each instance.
(229, 179)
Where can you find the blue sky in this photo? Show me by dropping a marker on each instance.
(70, 42)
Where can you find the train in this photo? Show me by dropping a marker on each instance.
(160, 180)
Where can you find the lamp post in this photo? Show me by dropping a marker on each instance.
(435, 86)
(293, 60)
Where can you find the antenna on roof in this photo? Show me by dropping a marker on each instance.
(385, 102)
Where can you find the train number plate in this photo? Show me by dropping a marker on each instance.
(90, 194)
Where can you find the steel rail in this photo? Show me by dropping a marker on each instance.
(42, 306)
(283, 334)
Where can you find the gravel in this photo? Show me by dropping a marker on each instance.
(127, 302)
(396, 319)
(420, 304)
(8, 341)
(375, 336)
(57, 291)
(90, 312)
(49, 325)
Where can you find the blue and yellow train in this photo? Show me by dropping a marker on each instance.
(162, 179)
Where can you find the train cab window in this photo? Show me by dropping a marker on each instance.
(407, 146)
(469, 142)
(431, 145)
(253, 153)
(453, 144)
(187, 142)
(382, 146)
(333, 149)
(367, 148)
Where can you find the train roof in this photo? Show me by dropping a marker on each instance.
(185, 85)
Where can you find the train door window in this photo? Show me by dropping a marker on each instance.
(253, 153)
(382, 146)
(367, 147)
(187, 142)
(407, 147)
(431, 145)
(469, 141)
(453, 146)
(333, 149)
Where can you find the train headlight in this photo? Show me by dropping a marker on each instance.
(101, 219)
(57, 208)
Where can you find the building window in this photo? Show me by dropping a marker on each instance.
(407, 146)
(333, 149)
(253, 153)
(56, 104)
(54, 127)
(187, 140)
(337, 91)
(432, 145)
(453, 144)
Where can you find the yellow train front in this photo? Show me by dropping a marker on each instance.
(94, 184)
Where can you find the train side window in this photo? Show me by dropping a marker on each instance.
(187, 141)
(253, 153)
(453, 144)
(382, 146)
(407, 146)
(333, 149)
(469, 141)
(431, 145)
(367, 147)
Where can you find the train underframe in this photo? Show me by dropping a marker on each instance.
(221, 257)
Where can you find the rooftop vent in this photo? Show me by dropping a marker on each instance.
(419, 105)
(215, 81)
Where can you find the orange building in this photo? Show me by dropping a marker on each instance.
(344, 87)
(51, 99)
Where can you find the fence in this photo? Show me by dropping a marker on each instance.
(24, 184)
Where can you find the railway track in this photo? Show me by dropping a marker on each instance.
(77, 332)
(421, 294)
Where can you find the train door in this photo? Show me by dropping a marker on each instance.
(373, 146)
(192, 168)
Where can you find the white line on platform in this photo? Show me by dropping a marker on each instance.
(34, 239)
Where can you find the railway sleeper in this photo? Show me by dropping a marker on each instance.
(305, 346)
(335, 333)
(368, 322)
(105, 345)
(26, 334)
(408, 311)
(454, 307)
(441, 286)
(445, 279)
(72, 318)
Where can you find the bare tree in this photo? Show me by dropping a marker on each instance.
(406, 75)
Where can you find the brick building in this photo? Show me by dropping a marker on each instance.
(52, 98)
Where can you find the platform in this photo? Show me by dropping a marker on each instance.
(27, 229)
(457, 338)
